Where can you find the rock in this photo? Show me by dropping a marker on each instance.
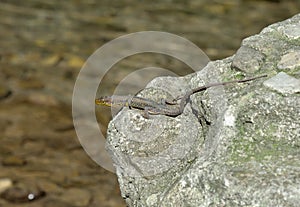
(283, 83)
(42, 99)
(291, 31)
(248, 59)
(5, 183)
(233, 146)
(291, 60)
(52, 60)
(31, 83)
(13, 161)
(58, 203)
(23, 192)
(50, 187)
(4, 91)
(75, 61)
(76, 197)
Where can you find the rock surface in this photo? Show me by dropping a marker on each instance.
(237, 145)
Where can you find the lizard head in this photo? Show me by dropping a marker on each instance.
(104, 101)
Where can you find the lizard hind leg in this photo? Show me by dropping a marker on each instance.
(145, 113)
(150, 110)
(174, 101)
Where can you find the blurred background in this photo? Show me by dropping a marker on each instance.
(44, 44)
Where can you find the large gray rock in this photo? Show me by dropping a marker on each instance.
(237, 145)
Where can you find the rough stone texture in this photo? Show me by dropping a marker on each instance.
(247, 59)
(283, 83)
(291, 60)
(237, 145)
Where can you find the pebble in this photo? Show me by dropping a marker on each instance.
(4, 91)
(77, 197)
(5, 183)
(75, 62)
(50, 186)
(283, 83)
(42, 99)
(22, 192)
(52, 60)
(31, 83)
(13, 161)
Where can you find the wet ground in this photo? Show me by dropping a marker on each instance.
(43, 47)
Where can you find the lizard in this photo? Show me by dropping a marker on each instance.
(165, 107)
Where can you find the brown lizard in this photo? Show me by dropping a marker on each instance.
(165, 108)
